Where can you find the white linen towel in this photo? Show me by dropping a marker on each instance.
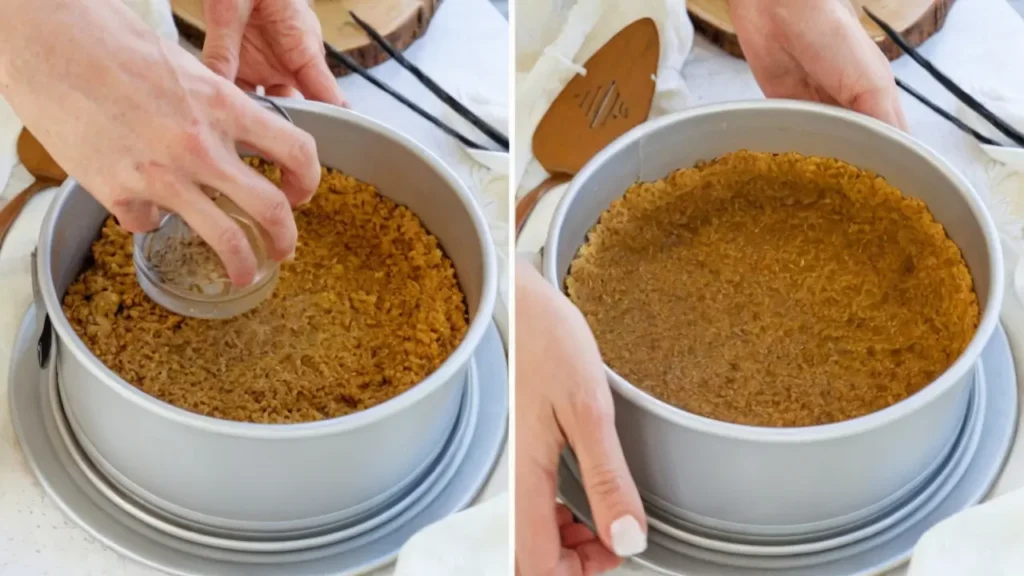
(471, 543)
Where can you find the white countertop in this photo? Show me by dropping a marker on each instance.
(466, 47)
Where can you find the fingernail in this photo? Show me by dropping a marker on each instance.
(628, 539)
(290, 257)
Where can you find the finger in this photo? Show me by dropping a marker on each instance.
(292, 149)
(563, 515)
(213, 225)
(538, 543)
(777, 73)
(588, 420)
(259, 198)
(313, 77)
(862, 80)
(137, 216)
(595, 559)
(284, 91)
(877, 103)
(897, 108)
(225, 24)
(245, 85)
(316, 81)
(574, 535)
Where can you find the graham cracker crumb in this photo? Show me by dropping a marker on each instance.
(369, 308)
(774, 290)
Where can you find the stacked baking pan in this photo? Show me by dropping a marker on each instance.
(724, 498)
(203, 495)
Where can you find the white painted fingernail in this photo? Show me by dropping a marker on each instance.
(628, 539)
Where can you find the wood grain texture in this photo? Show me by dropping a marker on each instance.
(915, 20)
(401, 22)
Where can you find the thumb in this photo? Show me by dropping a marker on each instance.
(882, 103)
(318, 82)
(225, 25)
(618, 511)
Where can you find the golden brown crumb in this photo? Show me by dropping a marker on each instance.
(369, 308)
(774, 290)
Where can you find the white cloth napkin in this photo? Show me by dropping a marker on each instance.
(9, 128)
(553, 41)
(471, 543)
(1005, 165)
(986, 540)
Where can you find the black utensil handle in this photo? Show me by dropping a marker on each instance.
(947, 83)
(951, 118)
(355, 67)
(479, 123)
(270, 104)
(45, 343)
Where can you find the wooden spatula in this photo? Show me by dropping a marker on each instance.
(42, 167)
(614, 96)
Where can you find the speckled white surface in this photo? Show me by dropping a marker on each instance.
(35, 539)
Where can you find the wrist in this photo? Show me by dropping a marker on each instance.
(529, 281)
(536, 296)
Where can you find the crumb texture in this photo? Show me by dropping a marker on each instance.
(774, 290)
(369, 307)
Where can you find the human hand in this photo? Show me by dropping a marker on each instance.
(562, 396)
(276, 44)
(816, 50)
(143, 125)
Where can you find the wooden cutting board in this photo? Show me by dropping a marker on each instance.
(915, 20)
(401, 22)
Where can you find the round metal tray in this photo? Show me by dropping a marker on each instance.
(86, 503)
(665, 519)
(991, 431)
(948, 472)
(426, 487)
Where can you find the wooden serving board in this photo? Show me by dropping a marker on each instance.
(401, 22)
(915, 20)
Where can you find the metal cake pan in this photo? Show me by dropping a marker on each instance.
(74, 485)
(757, 481)
(277, 478)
